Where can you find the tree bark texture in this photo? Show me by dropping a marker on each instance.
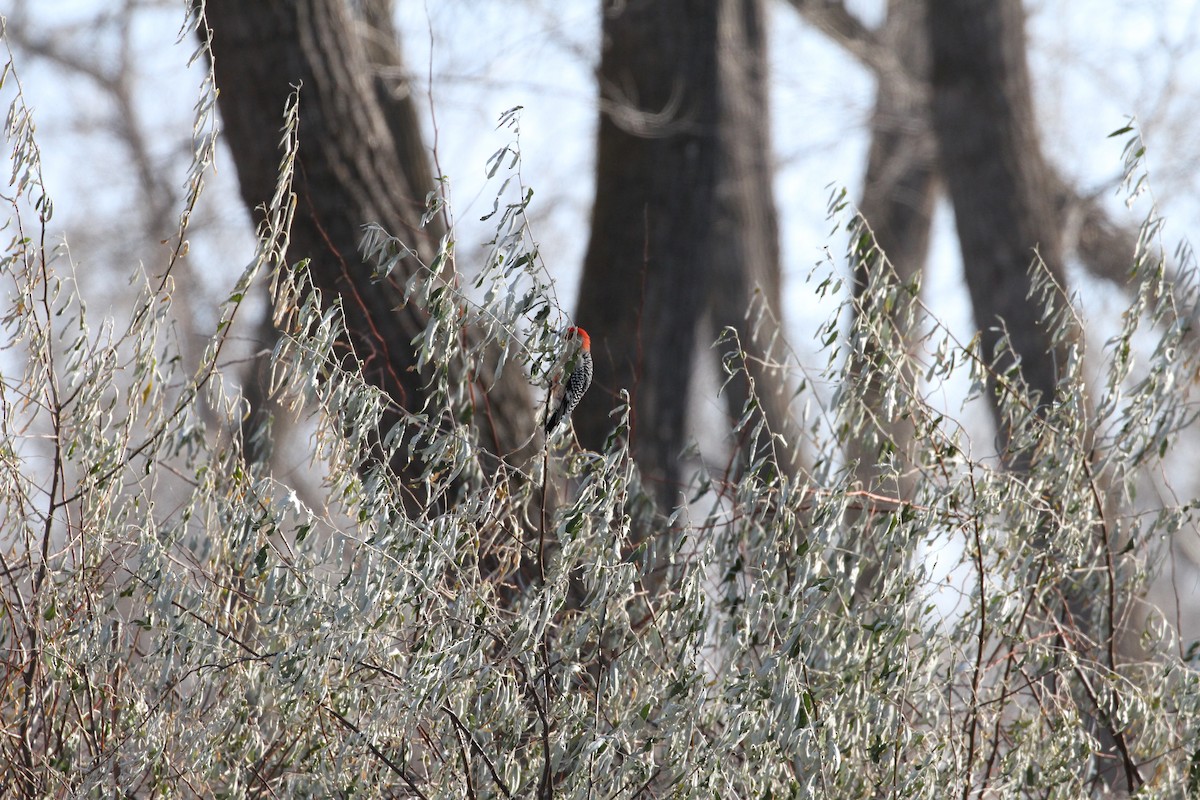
(897, 203)
(993, 167)
(684, 226)
(901, 179)
(1005, 207)
(359, 162)
(744, 290)
(1105, 247)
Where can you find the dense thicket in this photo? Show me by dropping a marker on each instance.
(177, 620)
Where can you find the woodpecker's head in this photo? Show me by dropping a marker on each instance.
(585, 341)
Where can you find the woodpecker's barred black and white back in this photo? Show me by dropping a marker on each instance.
(577, 382)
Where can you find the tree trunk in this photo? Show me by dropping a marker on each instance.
(1104, 247)
(683, 227)
(897, 203)
(1005, 211)
(743, 245)
(381, 42)
(992, 164)
(901, 181)
(357, 164)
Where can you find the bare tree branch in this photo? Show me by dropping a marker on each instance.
(1104, 246)
(117, 84)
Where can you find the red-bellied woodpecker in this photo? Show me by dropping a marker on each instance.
(579, 378)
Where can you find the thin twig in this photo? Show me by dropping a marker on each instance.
(977, 673)
(479, 751)
(375, 751)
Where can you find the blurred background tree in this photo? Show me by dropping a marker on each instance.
(684, 249)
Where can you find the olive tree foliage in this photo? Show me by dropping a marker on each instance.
(175, 622)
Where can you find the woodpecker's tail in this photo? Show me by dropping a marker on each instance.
(555, 418)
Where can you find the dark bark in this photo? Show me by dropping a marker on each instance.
(897, 203)
(993, 167)
(1104, 246)
(743, 245)
(353, 168)
(393, 90)
(683, 214)
(1005, 209)
(641, 293)
(901, 179)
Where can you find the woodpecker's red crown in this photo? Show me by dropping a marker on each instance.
(584, 340)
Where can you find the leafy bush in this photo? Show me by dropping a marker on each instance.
(178, 623)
